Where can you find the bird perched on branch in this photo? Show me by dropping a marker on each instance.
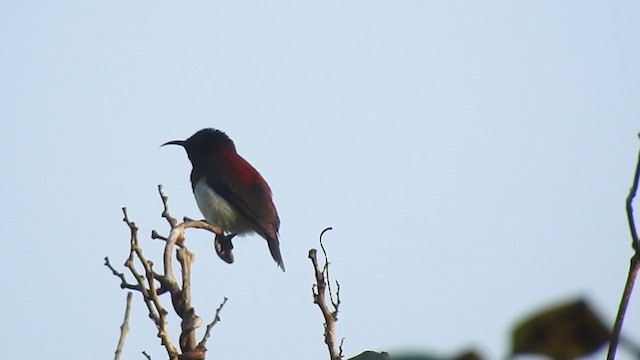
(231, 194)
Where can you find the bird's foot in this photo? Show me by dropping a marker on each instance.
(186, 218)
(223, 246)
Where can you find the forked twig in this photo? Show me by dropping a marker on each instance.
(152, 284)
(213, 323)
(323, 282)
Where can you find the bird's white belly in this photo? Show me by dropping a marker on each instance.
(216, 210)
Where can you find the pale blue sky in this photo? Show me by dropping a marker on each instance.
(472, 157)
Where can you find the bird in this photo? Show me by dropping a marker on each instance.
(230, 193)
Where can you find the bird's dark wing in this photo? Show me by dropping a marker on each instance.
(250, 195)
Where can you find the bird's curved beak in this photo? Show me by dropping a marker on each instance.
(175, 142)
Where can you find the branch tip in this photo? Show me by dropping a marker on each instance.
(318, 290)
(634, 265)
(216, 319)
(124, 328)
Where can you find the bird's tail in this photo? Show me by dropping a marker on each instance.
(274, 248)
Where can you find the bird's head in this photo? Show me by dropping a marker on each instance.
(204, 143)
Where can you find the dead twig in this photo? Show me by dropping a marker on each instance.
(634, 266)
(336, 303)
(323, 282)
(124, 328)
(213, 323)
(123, 281)
(152, 284)
(150, 295)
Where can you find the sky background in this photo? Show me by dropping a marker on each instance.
(472, 156)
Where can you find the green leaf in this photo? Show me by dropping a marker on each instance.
(563, 332)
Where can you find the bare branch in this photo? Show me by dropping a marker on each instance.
(124, 328)
(155, 235)
(629, 206)
(146, 355)
(165, 213)
(152, 284)
(123, 281)
(176, 237)
(190, 321)
(325, 269)
(319, 291)
(216, 319)
(336, 304)
(634, 266)
(150, 295)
